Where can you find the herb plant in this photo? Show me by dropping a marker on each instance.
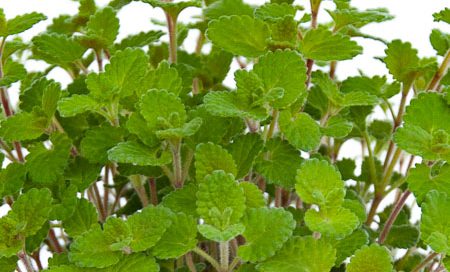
(147, 161)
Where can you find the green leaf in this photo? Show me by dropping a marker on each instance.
(148, 226)
(403, 236)
(138, 154)
(164, 77)
(300, 130)
(283, 69)
(440, 41)
(275, 11)
(21, 23)
(23, 126)
(137, 125)
(231, 34)
(81, 173)
(263, 238)
(337, 127)
(186, 130)
(434, 227)
(371, 258)
(422, 180)
(126, 70)
(318, 182)
(230, 104)
(426, 127)
(302, 254)
(401, 60)
(322, 44)
(227, 8)
(353, 17)
(12, 72)
(31, 210)
(98, 141)
(135, 263)
(348, 245)
(182, 200)
(50, 97)
(46, 166)
(244, 150)
(77, 104)
(254, 197)
(178, 239)
(8, 264)
(173, 8)
(84, 254)
(139, 40)
(334, 222)
(218, 235)
(210, 157)
(9, 244)
(101, 29)
(57, 49)
(82, 220)
(280, 164)
(220, 200)
(170, 111)
(12, 179)
(442, 16)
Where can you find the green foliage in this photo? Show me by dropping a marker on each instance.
(252, 151)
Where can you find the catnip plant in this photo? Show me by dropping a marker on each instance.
(147, 161)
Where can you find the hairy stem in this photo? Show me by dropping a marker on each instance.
(177, 166)
(190, 262)
(172, 28)
(26, 261)
(434, 83)
(425, 262)
(224, 256)
(207, 257)
(153, 191)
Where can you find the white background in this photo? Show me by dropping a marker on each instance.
(413, 22)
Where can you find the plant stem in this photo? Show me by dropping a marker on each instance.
(272, 125)
(393, 216)
(373, 208)
(315, 5)
(372, 167)
(26, 261)
(208, 258)
(434, 83)
(140, 189)
(54, 241)
(234, 263)
(190, 262)
(153, 191)
(172, 28)
(224, 256)
(425, 262)
(177, 166)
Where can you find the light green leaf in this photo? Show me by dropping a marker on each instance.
(139, 40)
(46, 166)
(76, 104)
(301, 254)
(84, 254)
(220, 200)
(21, 23)
(163, 77)
(401, 60)
(231, 34)
(352, 17)
(426, 127)
(280, 164)
(210, 157)
(57, 48)
(12, 72)
(318, 182)
(82, 220)
(137, 125)
(244, 150)
(440, 41)
(186, 130)
(218, 235)
(179, 238)
(423, 179)
(434, 227)
(263, 238)
(322, 44)
(227, 8)
(371, 258)
(138, 154)
(126, 70)
(283, 69)
(300, 130)
(31, 210)
(134, 263)
(275, 11)
(442, 16)
(182, 200)
(173, 8)
(337, 127)
(101, 29)
(148, 226)
(170, 111)
(254, 197)
(334, 222)
(98, 141)
(50, 97)
(23, 126)
(230, 104)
